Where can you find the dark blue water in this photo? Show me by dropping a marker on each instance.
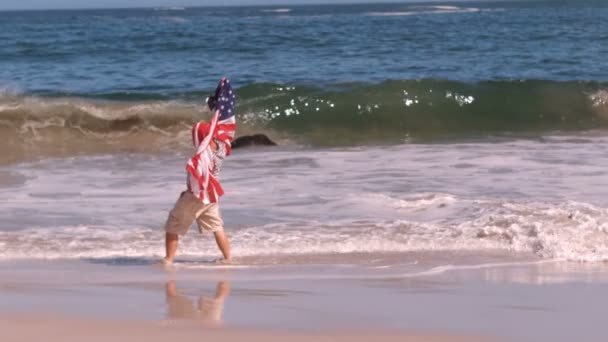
(153, 51)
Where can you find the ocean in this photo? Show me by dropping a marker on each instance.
(458, 127)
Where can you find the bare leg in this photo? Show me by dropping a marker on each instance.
(171, 241)
(222, 242)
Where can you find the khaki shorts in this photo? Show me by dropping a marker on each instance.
(189, 208)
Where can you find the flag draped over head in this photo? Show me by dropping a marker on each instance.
(203, 183)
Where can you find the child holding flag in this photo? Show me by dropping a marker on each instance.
(200, 201)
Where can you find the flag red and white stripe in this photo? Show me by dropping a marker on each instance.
(201, 181)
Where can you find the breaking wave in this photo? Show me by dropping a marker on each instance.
(392, 112)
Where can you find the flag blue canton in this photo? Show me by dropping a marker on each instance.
(223, 100)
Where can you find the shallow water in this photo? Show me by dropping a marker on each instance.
(544, 197)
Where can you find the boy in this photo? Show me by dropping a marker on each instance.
(200, 201)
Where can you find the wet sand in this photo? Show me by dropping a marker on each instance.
(549, 301)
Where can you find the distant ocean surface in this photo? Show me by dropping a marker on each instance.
(402, 127)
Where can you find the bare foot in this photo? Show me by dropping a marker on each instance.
(223, 261)
(165, 264)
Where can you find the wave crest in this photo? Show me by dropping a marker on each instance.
(392, 112)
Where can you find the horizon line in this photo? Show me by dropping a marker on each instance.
(315, 3)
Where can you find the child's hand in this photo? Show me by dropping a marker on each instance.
(213, 145)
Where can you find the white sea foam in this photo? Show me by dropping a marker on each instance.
(170, 8)
(391, 14)
(549, 201)
(277, 10)
(426, 10)
(446, 8)
(415, 201)
(572, 231)
(599, 98)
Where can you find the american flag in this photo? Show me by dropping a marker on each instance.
(201, 181)
(223, 102)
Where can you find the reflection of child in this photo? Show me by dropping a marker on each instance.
(209, 310)
(200, 201)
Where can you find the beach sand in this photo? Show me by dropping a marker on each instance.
(132, 301)
(68, 330)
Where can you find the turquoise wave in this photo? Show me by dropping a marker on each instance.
(336, 115)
